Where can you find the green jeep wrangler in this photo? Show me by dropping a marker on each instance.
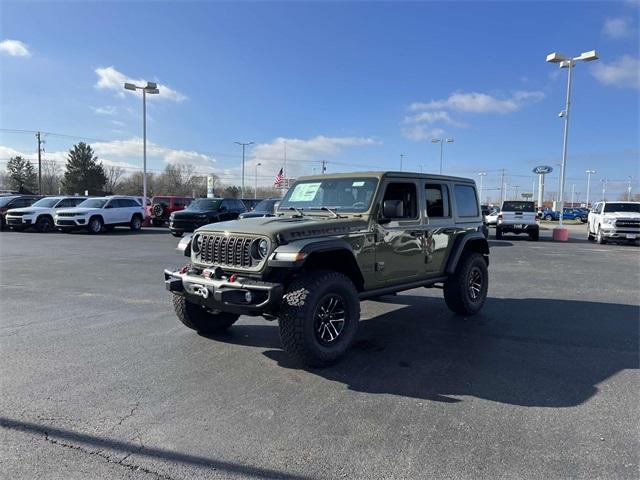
(336, 240)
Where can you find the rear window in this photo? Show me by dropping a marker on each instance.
(466, 201)
(518, 207)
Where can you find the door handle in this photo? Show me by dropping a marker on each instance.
(417, 233)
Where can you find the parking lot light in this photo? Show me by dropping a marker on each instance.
(441, 141)
(150, 88)
(589, 173)
(568, 63)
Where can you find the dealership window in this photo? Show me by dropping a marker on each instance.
(466, 201)
(437, 200)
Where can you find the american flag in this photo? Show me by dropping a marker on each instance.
(279, 179)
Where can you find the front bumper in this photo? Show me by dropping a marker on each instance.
(70, 222)
(244, 296)
(21, 221)
(620, 233)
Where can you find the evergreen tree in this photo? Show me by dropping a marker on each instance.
(21, 175)
(84, 172)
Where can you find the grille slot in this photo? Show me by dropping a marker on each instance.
(226, 250)
(628, 223)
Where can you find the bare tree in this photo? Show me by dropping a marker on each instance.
(51, 177)
(114, 174)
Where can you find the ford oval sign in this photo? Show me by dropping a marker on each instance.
(542, 169)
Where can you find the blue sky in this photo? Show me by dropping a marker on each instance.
(355, 84)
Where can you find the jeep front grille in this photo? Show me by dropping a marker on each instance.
(66, 214)
(226, 250)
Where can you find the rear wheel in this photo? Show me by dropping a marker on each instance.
(44, 224)
(95, 225)
(548, 218)
(199, 318)
(498, 233)
(319, 317)
(136, 223)
(535, 235)
(466, 290)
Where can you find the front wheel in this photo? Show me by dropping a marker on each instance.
(95, 225)
(319, 317)
(136, 223)
(466, 290)
(199, 318)
(599, 237)
(44, 224)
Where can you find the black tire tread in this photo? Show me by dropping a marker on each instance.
(199, 319)
(455, 286)
(294, 310)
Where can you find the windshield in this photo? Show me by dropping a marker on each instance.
(204, 205)
(46, 202)
(341, 194)
(93, 203)
(265, 206)
(4, 201)
(622, 207)
(518, 207)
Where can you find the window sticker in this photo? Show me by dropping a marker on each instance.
(304, 192)
(357, 184)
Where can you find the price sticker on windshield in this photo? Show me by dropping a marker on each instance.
(304, 192)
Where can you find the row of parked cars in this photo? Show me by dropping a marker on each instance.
(606, 221)
(95, 214)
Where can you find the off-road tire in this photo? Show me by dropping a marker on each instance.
(157, 210)
(44, 224)
(535, 235)
(200, 319)
(92, 227)
(457, 288)
(301, 304)
(177, 234)
(498, 233)
(136, 223)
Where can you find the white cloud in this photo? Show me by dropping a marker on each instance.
(474, 102)
(434, 117)
(118, 123)
(623, 72)
(302, 154)
(14, 48)
(422, 132)
(111, 79)
(618, 28)
(106, 110)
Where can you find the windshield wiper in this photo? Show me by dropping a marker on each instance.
(297, 210)
(331, 211)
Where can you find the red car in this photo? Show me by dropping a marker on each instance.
(163, 206)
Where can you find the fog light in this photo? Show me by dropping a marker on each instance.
(248, 297)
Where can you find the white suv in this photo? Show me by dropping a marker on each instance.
(97, 213)
(40, 214)
(614, 221)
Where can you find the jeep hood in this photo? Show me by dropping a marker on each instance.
(80, 211)
(28, 209)
(290, 228)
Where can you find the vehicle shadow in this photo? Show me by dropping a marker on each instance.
(499, 243)
(528, 352)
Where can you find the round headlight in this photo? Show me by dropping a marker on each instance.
(260, 249)
(196, 243)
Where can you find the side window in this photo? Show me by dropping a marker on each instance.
(466, 201)
(437, 200)
(240, 206)
(405, 197)
(66, 203)
(225, 205)
(113, 203)
(178, 202)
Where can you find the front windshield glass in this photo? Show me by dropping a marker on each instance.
(340, 194)
(93, 203)
(4, 201)
(622, 207)
(46, 202)
(204, 205)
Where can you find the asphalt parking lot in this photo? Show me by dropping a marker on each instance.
(100, 380)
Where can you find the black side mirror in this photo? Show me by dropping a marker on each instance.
(392, 209)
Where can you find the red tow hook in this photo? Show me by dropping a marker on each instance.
(185, 269)
(232, 278)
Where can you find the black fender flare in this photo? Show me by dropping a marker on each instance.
(306, 247)
(460, 243)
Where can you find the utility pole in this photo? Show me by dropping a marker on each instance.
(324, 167)
(38, 136)
(515, 188)
(604, 187)
(629, 190)
(502, 187)
(573, 192)
(243, 145)
(401, 157)
(481, 175)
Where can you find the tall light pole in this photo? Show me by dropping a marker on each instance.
(629, 190)
(604, 187)
(243, 145)
(589, 173)
(255, 184)
(152, 89)
(568, 63)
(401, 158)
(441, 141)
(573, 193)
(481, 175)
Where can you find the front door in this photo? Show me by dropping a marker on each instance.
(399, 235)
